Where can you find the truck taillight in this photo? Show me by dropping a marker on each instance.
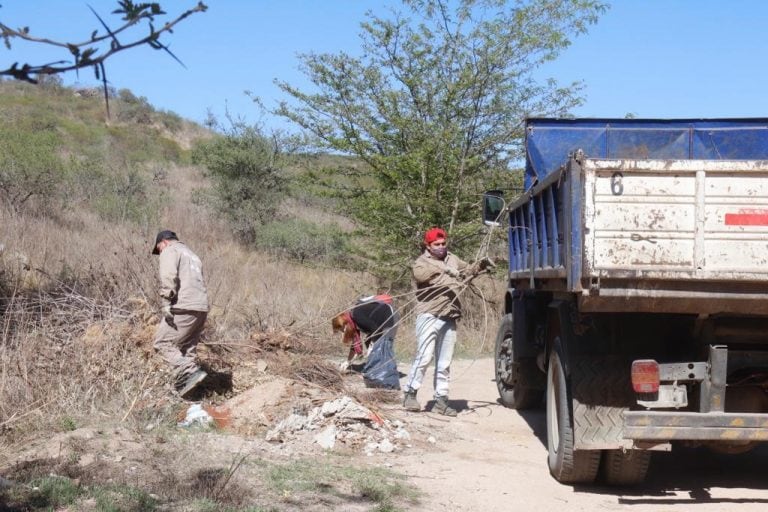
(645, 376)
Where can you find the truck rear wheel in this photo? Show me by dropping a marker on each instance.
(514, 376)
(566, 464)
(625, 468)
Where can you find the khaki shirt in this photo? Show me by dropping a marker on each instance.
(181, 279)
(437, 293)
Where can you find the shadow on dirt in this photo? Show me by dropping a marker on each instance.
(359, 367)
(458, 405)
(537, 420)
(219, 383)
(696, 471)
(684, 470)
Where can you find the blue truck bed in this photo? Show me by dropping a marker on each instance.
(548, 142)
(649, 215)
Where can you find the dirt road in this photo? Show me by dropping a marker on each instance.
(491, 458)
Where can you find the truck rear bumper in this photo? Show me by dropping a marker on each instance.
(711, 426)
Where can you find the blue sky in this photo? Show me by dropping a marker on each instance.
(652, 58)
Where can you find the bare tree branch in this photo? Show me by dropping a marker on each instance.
(89, 53)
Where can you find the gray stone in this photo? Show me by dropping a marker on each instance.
(326, 438)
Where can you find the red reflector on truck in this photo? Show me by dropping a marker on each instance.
(645, 376)
(747, 217)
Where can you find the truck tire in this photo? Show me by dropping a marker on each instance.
(566, 464)
(515, 377)
(625, 468)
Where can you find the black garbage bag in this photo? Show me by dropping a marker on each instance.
(381, 369)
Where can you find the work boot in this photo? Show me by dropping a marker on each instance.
(410, 403)
(190, 382)
(441, 407)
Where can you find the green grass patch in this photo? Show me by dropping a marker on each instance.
(122, 498)
(56, 492)
(49, 493)
(58, 152)
(81, 134)
(387, 490)
(206, 505)
(67, 423)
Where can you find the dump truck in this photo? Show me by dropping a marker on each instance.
(636, 310)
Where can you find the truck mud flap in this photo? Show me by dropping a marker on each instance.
(601, 393)
(712, 426)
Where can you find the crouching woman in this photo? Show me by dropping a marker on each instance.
(377, 318)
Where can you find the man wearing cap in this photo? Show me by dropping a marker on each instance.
(440, 278)
(185, 308)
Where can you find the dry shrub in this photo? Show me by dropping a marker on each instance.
(299, 358)
(309, 370)
(378, 396)
(66, 355)
(483, 303)
(304, 361)
(282, 340)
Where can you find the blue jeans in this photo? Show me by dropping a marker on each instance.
(435, 337)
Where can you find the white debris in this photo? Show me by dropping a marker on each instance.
(327, 438)
(196, 415)
(370, 448)
(335, 406)
(289, 425)
(402, 434)
(350, 436)
(346, 421)
(355, 412)
(386, 446)
(431, 440)
(345, 408)
(295, 422)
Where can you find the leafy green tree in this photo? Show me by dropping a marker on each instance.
(434, 105)
(244, 167)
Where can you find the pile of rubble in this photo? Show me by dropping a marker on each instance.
(346, 421)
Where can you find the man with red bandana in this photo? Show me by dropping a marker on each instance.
(440, 278)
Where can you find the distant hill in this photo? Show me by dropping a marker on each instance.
(60, 150)
(80, 116)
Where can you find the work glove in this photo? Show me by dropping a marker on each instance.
(168, 316)
(453, 272)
